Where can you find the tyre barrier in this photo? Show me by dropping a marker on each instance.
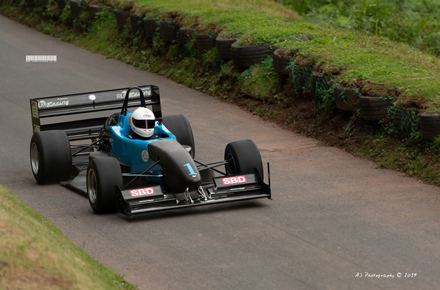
(75, 9)
(430, 126)
(150, 26)
(93, 10)
(405, 120)
(168, 31)
(246, 56)
(135, 21)
(185, 35)
(224, 47)
(61, 4)
(204, 42)
(121, 18)
(374, 108)
(346, 99)
(281, 63)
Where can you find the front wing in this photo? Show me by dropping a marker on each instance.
(224, 189)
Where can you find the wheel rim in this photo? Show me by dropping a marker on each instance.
(35, 159)
(231, 168)
(91, 186)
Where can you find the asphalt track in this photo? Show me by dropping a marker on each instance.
(333, 216)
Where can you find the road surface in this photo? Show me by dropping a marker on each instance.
(336, 221)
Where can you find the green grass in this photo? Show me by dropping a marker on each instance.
(34, 254)
(357, 55)
(414, 22)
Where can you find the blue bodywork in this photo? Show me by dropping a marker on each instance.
(134, 152)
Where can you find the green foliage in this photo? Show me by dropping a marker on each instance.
(260, 81)
(414, 22)
(403, 123)
(324, 98)
(301, 78)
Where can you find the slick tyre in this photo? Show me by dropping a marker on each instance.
(181, 128)
(103, 175)
(243, 157)
(50, 156)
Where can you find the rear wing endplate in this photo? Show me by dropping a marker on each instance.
(88, 103)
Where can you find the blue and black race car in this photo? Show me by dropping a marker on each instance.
(135, 175)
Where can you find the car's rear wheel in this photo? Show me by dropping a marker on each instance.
(181, 128)
(243, 157)
(50, 156)
(103, 175)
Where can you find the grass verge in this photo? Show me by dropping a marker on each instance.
(34, 254)
(403, 72)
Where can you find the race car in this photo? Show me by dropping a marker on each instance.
(136, 175)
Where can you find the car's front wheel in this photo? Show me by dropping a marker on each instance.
(103, 175)
(243, 157)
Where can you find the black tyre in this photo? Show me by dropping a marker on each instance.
(103, 175)
(93, 10)
(135, 21)
(50, 156)
(150, 26)
(61, 4)
(281, 63)
(244, 157)
(374, 108)
(224, 47)
(168, 31)
(181, 128)
(185, 35)
(121, 18)
(430, 126)
(204, 42)
(346, 99)
(75, 9)
(246, 56)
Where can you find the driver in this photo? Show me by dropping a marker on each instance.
(142, 122)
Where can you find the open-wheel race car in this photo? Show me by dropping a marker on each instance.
(119, 172)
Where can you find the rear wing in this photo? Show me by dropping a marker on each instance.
(88, 103)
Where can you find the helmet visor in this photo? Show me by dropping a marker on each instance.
(144, 124)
